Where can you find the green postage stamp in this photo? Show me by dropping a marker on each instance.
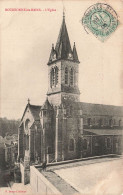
(100, 19)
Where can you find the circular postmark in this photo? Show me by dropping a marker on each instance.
(101, 19)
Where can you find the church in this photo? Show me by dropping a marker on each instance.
(63, 128)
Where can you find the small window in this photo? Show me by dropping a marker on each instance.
(71, 145)
(85, 144)
(105, 121)
(27, 124)
(66, 75)
(44, 113)
(27, 142)
(71, 76)
(119, 123)
(53, 77)
(114, 122)
(89, 121)
(94, 121)
(110, 122)
(41, 113)
(100, 122)
(108, 142)
(49, 150)
(56, 75)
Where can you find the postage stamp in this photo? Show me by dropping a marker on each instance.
(101, 20)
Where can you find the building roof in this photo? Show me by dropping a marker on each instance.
(37, 123)
(87, 109)
(75, 55)
(63, 47)
(35, 110)
(46, 105)
(100, 109)
(103, 132)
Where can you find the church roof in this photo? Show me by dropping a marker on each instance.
(103, 131)
(37, 123)
(63, 46)
(100, 109)
(35, 110)
(46, 105)
(75, 55)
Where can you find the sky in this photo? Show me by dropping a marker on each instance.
(26, 39)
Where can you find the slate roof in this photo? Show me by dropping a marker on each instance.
(46, 105)
(63, 46)
(87, 109)
(75, 55)
(103, 131)
(100, 109)
(35, 111)
(37, 123)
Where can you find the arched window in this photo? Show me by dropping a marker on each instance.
(53, 77)
(66, 75)
(27, 142)
(49, 150)
(85, 144)
(27, 124)
(56, 75)
(110, 122)
(119, 123)
(114, 122)
(108, 142)
(71, 145)
(71, 76)
(94, 121)
(105, 121)
(100, 122)
(89, 121)
(44, 113)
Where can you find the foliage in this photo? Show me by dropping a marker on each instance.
(8, 126)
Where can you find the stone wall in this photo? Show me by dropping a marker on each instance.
(40, 185)
(25, 174)
(102, 121)
(97, 145)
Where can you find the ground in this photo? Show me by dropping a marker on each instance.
(95, 177)
(102, 176)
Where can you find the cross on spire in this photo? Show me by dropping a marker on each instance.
(63, 13)
(28, 101)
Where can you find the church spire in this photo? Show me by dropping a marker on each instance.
(75, 56)
(63, 47)
(63, 14)
(62, 50)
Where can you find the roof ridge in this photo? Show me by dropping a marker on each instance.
(101, 104)
(34, 105)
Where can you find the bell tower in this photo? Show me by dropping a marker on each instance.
(63, 70)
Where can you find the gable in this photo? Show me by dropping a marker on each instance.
(31, 112)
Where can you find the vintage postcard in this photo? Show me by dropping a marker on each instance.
(61, 97)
